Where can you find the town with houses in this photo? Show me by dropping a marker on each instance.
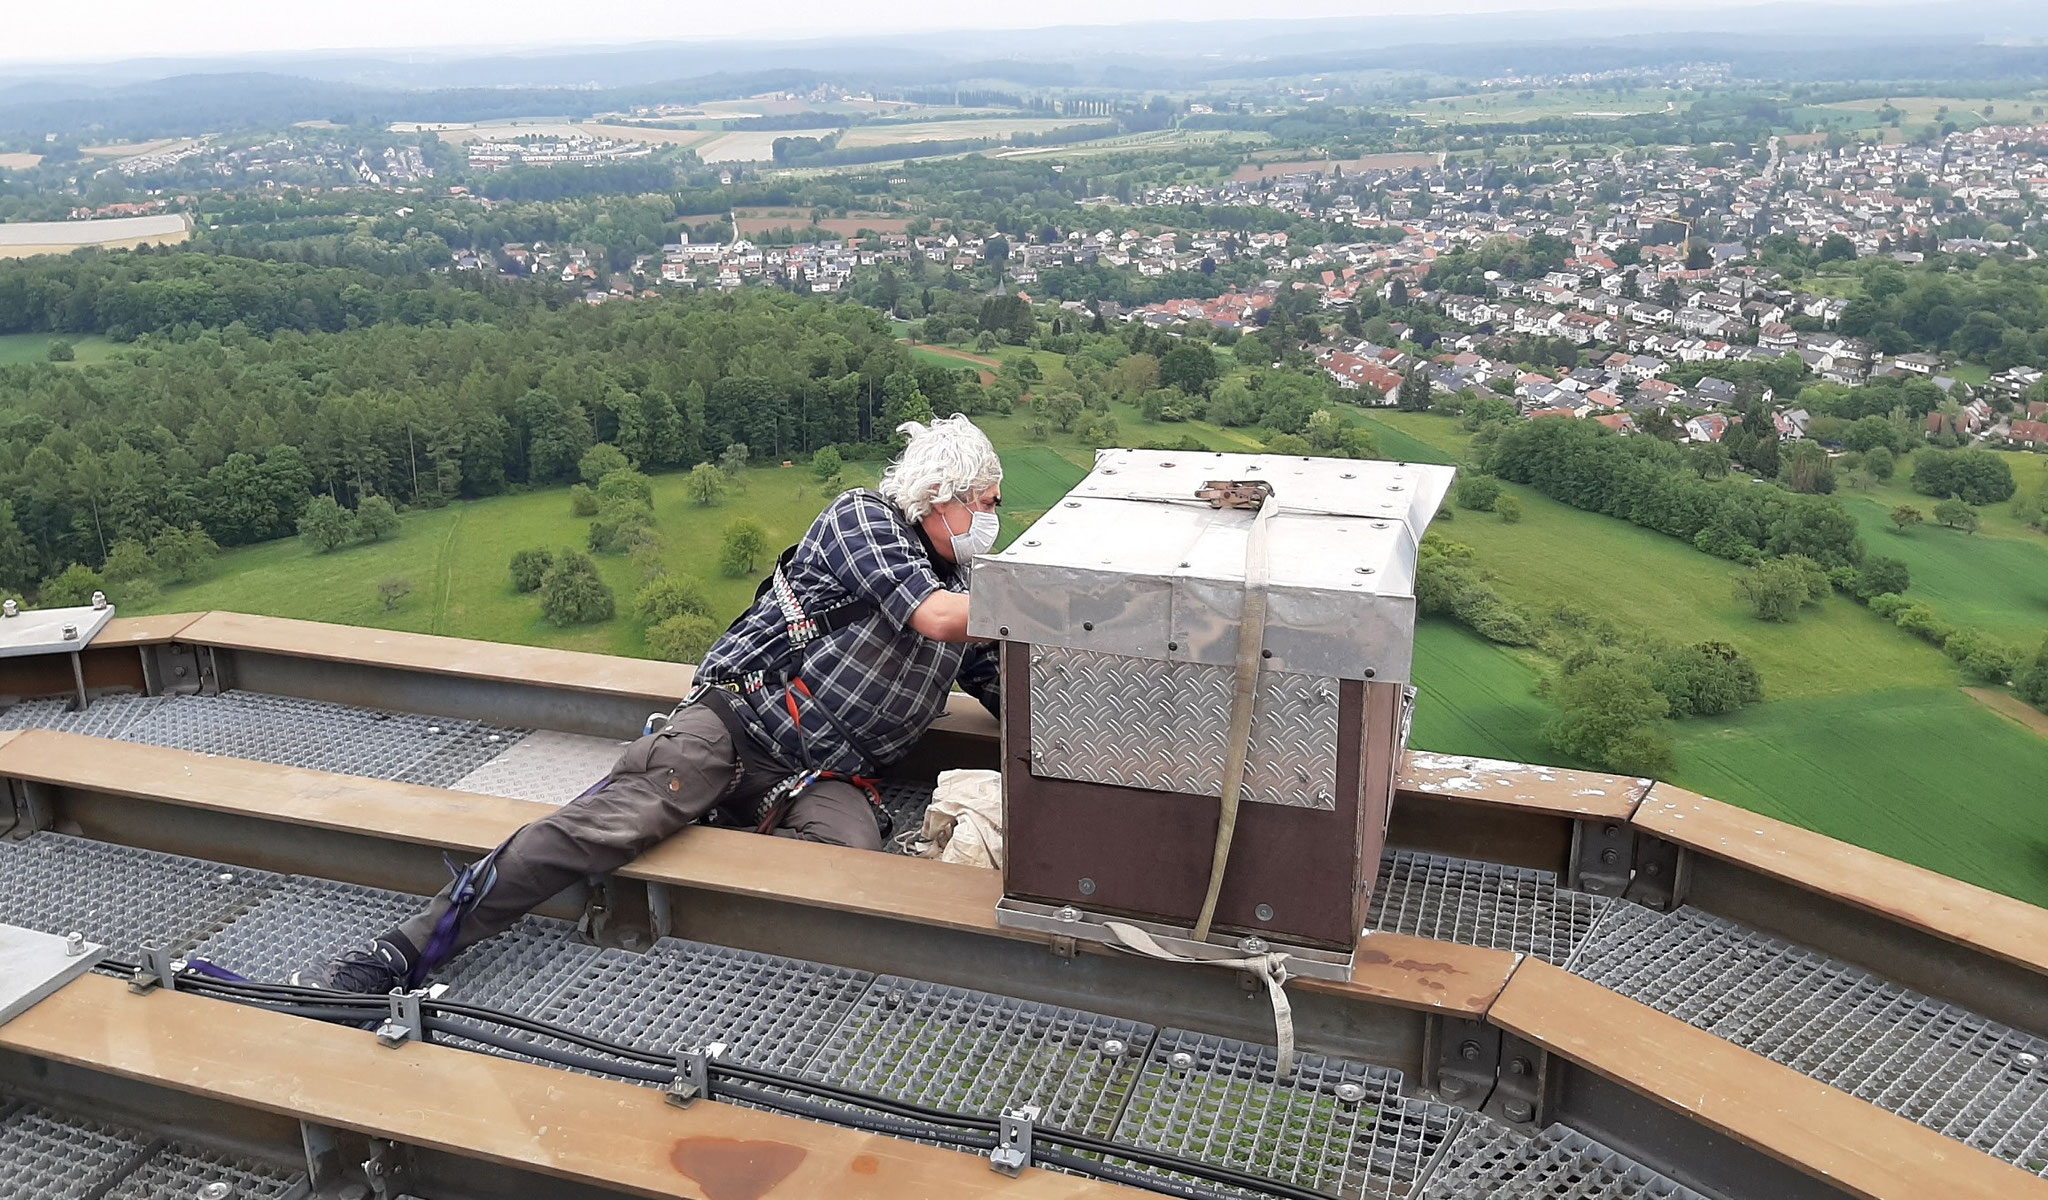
(1631, 324)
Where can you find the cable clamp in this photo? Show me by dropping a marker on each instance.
(403, 1024)
(693, 1075)
(1012, 1152)
(158, 969)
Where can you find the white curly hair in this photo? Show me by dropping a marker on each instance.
(948, 459)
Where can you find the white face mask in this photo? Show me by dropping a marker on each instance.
(979, 539)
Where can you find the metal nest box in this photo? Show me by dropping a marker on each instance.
(1123, 614)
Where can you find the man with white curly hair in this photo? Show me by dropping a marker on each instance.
(843, 660)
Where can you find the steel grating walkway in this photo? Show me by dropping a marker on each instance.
(1481, 904)
(1489, 1161)
(1944, 1067)
(1206, 1097)
(50, 1155)
(545, 766)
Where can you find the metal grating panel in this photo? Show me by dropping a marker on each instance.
(302, 924)
(521, 969)
(180, 1172)
(1150, 723)
(121, 896)
(1488, 1161)
(1225, 1108)
(45, 1155)
(1946, 1068)
(545, 766)
(1481, 904)
(106, 717)
(772, 1012)
(972, 1052)
(296, 732)
(906, 801)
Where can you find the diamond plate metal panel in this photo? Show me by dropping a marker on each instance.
(972, 1052)
(120, 896)
(1214, 1099)
(1944, 1067)
(1481, 904)
(1488, 1161)
(47, 1155)
(1149, 723)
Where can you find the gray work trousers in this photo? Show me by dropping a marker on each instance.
(662, 784)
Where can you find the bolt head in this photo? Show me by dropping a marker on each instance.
(1113, 1048)
(1519, 1110)
(1452, 1086)
(215, 1191)
(1181, 1060)
(74, 943)
(1068, 913)
(2029, 1061)
(1594, 885)
(1253, 945)
(1469, 1051)
(1350, 1093)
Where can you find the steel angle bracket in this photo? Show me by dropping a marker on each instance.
(693, 1075)
(1613, 858)
(1461, 1059)
(403, 1023)
(1065, 926)
(158, 970)
(1525, 1093)
(1014, 1134)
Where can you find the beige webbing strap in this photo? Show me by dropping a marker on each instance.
(1270, 968)
(1251, 643)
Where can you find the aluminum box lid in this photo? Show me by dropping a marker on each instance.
(41, 630)
(1130, 562)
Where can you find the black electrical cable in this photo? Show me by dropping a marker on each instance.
(873, 1113)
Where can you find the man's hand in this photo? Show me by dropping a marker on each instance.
(942, 617)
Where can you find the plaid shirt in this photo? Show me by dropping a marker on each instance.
(879, 678)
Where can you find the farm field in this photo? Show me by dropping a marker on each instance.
(1993, 581)
(1871, 770)
(1370, 162)
(1474, 697)
(944, 131)
(15, 160)
(1508, 107)
(764, 220)
(26, 239)
(1152, 140)
(35, 348)
(750, 145)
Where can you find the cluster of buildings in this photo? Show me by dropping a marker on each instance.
(577, 151)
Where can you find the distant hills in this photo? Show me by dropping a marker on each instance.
(1986, 41)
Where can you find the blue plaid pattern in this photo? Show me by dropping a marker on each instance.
(879, 678)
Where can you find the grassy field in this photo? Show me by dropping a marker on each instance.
(456, 560)
(35, 348)
(1476, 698)
(1995, 581)
(1927, 775)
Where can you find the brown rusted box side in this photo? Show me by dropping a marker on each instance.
(1147, 853)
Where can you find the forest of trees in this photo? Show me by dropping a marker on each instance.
(414, 390)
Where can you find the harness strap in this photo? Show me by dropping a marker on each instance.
(1251, 642)
(1271, 969)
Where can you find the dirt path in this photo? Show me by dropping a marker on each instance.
(2011, 707)
(988, 365)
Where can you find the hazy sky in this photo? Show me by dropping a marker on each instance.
(105, 30)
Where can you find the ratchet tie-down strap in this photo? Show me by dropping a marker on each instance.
(1269, 968)
(1251, 644)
